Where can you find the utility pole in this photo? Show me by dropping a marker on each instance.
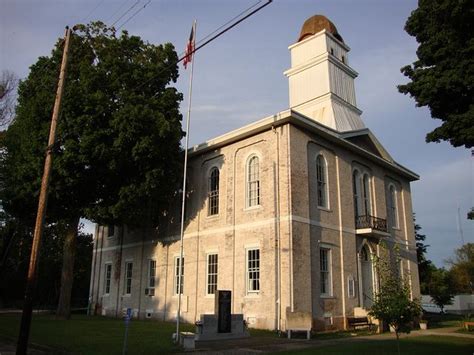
(43, 199)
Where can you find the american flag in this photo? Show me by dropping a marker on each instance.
(189, 49)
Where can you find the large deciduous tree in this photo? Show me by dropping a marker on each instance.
(442, 78)
(440, 288)
(118, 139)
(8, 84)
(462, 269)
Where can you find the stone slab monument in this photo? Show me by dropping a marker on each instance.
(223, 324)
(223, 311)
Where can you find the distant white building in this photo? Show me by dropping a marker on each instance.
(462, 304)
(286, 212)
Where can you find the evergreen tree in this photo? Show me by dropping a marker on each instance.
(442, 76)
(425, 266)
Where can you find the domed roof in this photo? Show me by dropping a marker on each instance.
(316, 24)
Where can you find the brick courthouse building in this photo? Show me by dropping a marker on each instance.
(286, 212)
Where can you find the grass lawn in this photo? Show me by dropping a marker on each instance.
(95, 335)
(429, 345)
(444, 320)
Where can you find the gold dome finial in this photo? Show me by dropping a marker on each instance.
(316, 24)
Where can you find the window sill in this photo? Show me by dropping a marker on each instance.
(324, 209)
(128, 295)
(327, 297)
(252, 295)
(210, 296)
(213, 216)
(257, 207)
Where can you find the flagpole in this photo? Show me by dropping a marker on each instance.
(183, 205)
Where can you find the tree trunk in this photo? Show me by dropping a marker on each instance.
(67, 273)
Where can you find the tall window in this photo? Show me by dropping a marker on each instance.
(128, 277)
(392, 207)
(108, 278)
(355, 189)
(211, 274)
(321, 174)
(366, 194)
(178, 288)
(253, 270)
(110, 230)
(351, 286)
(253, 182)
(325, 271)
(213, 192)
(151, 273)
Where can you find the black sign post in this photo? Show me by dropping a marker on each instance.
(223, 310)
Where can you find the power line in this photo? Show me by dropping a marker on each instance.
(116, 12)
(126, 12)
(232, 19)
(207, 39)
(210, 39)
(134, 14)
(92, 11)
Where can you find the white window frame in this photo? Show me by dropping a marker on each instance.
(128, 274)
(212, 275)
(322, 185)
(393, 206)
(351, 287)
(213, 193)
(176, 275)
(328, 272)
(151, 274)
(356, 192)
(252, 183)
(252, 271)
(107, 278)
(366, 195)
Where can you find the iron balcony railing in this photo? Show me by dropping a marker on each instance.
(369, 221)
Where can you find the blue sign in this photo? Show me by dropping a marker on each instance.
(128, 315)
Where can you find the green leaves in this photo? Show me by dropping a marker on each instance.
(118, 154)
(442, 76)
(393, 303)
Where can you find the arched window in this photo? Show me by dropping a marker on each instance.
(213, 192)
(364, 255)
(321, 177)
(392, 207)
(366, 194)
(253, 182)
(356, 192)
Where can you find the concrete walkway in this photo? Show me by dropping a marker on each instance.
(259, 345)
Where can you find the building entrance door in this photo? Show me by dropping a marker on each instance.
(367, 278)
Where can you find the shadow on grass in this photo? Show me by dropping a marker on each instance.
(423, 345)
(95, 335)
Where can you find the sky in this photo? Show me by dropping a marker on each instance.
(239, 79)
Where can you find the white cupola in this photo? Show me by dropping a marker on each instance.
(321, 82)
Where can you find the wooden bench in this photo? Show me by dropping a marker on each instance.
(467, 325)
(299, 322)
(355, 322)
